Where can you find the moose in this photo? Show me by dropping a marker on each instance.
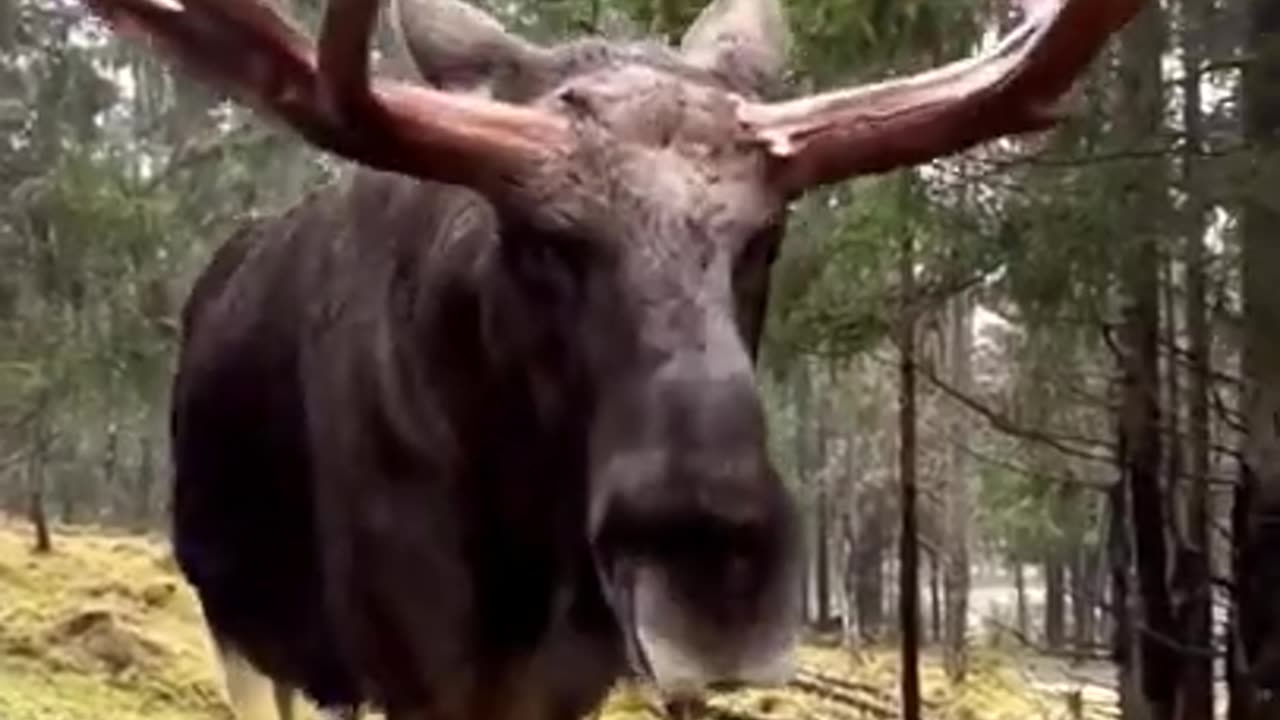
(474, 432)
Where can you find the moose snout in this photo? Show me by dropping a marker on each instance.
(704, 411)
(697, 514)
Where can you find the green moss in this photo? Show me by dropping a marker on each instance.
(30, 690)
(101, 627)
(104, 627)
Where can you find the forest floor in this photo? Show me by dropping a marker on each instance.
(105, 629)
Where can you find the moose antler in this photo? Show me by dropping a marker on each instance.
(874, 128)
(248, 49)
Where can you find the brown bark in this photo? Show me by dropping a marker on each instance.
(1020, 597)
(850, 498)
(849, 581)
(1082, 603)
(36, 510)
(1153, 666)
(801, 390)
(1055, 611)
(1140, 417)
(822, 509)
(935, 594)
(1239, 695)
(872, 543)
(40, 521)
(958, 502)
(1171, 401)
(908, 573)
(110, 459)
(1118, 553)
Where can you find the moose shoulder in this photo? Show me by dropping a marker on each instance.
(476, 432)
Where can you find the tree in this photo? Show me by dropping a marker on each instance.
(118, 178)
(909, 553)
(1194, 554)
(1151, 667)
(1258, 532)
(958, 504)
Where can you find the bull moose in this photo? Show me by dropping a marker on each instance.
(475, 432)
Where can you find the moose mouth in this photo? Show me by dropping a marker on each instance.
(660, 648)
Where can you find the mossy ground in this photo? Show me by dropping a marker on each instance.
(103, 628)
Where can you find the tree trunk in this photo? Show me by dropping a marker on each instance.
(1194, 608)
(821, 539)
(1154, 674)
(1082, 602)
(803, 591)
(110, 461)
(958, 503)
(1171, 402)
(65, 492)
(1020, 598)
(822, 561)
(146, 481)
(908, 572)
(1140, 417)
(1055, 611)
(849, 579)
(1240, 702)
(1104, 605)
(37, 512)
(40, 521)
(800, 387)
(873, 540)
(935, 593)
(1259, 542)
(849, 500)
(1123, 616)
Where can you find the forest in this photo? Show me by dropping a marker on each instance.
(1027, 396)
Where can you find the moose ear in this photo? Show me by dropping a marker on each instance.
(457, 46)
(745, 40)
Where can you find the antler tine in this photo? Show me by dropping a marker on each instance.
(343, 61)
(1008, 90)
(248, 49)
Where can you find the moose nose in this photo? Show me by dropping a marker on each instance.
(709, 414)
